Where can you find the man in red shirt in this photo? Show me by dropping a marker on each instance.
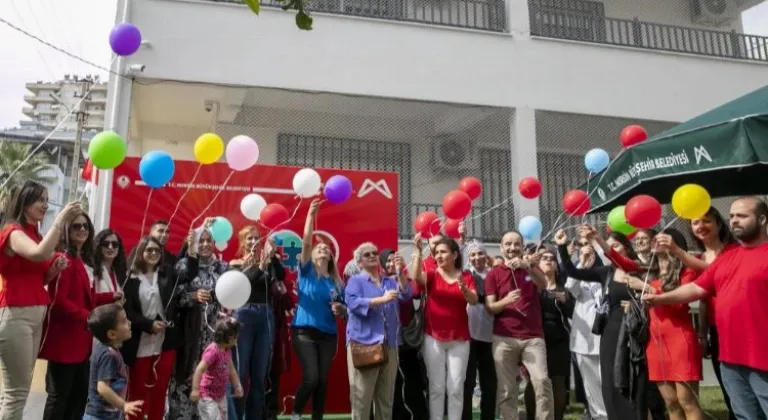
(512, 296)
(738, 278)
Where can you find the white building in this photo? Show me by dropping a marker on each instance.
(433, 89)
(50, 102)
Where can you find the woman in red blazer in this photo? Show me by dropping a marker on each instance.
(66, 342)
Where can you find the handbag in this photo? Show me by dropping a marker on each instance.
(412, 335)
(367, 356)
(603, 311)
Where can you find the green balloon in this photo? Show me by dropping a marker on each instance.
(618, 222)
(107, 150)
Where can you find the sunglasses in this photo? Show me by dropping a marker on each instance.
(547, 258)
(369, 254)
(583, 243)
(110, 244)
(79, 226)
(153, 251)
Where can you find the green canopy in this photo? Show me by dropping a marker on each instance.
(724, 150)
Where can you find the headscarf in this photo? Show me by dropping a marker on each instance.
(384, 256)
(476, 246)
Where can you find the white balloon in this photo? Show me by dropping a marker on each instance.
(306, 183)
(233, 289)
(251, 206)
(221, 246)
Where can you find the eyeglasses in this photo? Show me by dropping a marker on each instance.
(79, 226)
(110, 244)
(153, 251)
(369, 254)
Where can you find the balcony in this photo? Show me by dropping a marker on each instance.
(484, 15)
(585, 21)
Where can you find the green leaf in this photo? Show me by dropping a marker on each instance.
(303, 21)
(253, 5)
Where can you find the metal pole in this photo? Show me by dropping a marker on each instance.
(82, 116)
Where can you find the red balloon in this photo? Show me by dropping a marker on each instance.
(529, 187)
(643, 212)
(427, 224)
(457, 205)
(576, 203)
(471, 186)
(273, 215)
(632, 135)
(451, 228)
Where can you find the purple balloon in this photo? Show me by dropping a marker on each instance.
(125, 39)
(338, 189)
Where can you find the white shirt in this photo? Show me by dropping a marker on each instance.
(105, 284)
(480, 321)
(588, 296)
(151, 307)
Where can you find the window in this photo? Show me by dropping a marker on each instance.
(329, 152)
(579, 20)
(496, 177)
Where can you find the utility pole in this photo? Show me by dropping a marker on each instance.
(82, 117)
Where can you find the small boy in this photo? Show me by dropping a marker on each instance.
(108, 379)
(209, 383)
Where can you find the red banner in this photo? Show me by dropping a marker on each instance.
(369, 215)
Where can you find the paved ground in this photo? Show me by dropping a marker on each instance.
(36, 401)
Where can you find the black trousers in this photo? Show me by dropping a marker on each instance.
(480, 359)
(315, 351)
(410, 401)
(67, 388)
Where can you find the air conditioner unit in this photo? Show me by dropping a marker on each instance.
(451, 154)
(713, 12)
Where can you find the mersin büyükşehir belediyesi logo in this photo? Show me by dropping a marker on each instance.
(288, 243)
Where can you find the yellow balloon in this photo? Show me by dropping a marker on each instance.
(691, 201)
(208, 148)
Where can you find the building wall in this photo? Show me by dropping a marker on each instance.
(392, 59)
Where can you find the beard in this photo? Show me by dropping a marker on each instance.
(747, 233)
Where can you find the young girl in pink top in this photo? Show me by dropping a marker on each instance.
(209, 384)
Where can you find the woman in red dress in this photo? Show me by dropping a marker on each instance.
(673, 354)
(26, 265)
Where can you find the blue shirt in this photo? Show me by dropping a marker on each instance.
(315, 296)
(106, 366)
(365, 324)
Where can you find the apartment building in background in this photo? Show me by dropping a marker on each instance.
(50, 102)
(434, 89)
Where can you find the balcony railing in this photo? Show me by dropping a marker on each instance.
(573, 20)
(486, 15)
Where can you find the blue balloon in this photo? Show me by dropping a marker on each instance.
(596, 160)
(530, 227)
(221, 230)
(156, 168)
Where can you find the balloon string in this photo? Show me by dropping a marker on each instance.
(189, 187)
(224, 185)
(143, 225)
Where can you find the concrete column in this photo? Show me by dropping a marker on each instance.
(518, 17)
(522, 145)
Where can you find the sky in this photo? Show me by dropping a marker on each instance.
(82, 28)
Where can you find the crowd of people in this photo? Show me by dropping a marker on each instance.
(141, 335)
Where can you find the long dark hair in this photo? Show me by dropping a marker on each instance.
(724, 233)
(86, 251)
(19, 198)
(620, 238)
(671, 279)
(453, 246)
(139, 264)
(119, 265)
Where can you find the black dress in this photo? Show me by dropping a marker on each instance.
(619, 404)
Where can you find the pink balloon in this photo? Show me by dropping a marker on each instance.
(242, 153)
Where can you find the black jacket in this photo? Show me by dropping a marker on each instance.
(139, 324)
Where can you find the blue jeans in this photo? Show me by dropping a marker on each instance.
(748, 390)
(252, 358)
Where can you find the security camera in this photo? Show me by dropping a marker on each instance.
(136, 68)
(209, 105)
